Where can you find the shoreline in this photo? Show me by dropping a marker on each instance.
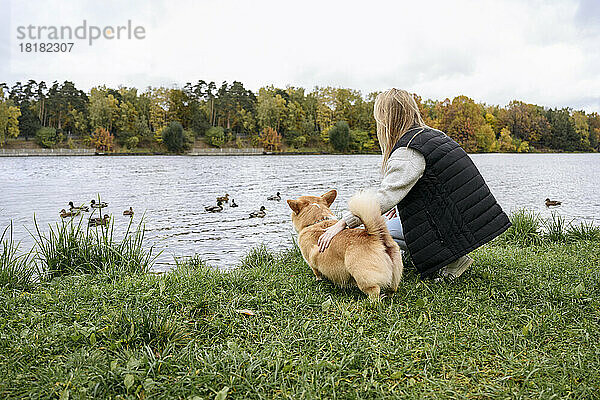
(206, 152)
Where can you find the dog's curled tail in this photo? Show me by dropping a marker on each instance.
(366, 207)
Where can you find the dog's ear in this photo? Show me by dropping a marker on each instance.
(294, 205)
(329, 197)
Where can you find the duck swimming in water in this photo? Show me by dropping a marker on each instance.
(552, 203)
(99, 221)
(101, 204)
(277, 197)
(258, 214)
(217, 208)
(65, 214)
(80, 208)
(128, 212)
(233, 203)
(224, 199)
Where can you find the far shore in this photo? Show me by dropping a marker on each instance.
(225, 151)
(193, 152)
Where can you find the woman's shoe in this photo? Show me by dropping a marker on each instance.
(456, 268)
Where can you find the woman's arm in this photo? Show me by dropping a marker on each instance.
(329, 233)
(404, 168)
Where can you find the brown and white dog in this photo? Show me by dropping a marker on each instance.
(368, 258)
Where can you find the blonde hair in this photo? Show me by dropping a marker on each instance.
(395, 112)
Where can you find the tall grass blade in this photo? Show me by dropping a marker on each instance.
(16, 270)
(70, 248)
(525, 229)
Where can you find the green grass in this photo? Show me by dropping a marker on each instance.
(16, 270)
(557, 228)
(71, 247)
(529, 229)
(525, 230)
(583, 231)
(522, 323)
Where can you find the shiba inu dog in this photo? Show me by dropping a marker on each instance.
(368, 258)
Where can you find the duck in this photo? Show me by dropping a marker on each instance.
(258, 214)
(224, 199)
(552, 203)
(65, 214)
(101, 204)
(128, 212)
(233, 203)
(217, 208)
(80, 208)
(99, 221)
(277, 197)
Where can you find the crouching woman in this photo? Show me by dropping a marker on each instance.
(438, 205)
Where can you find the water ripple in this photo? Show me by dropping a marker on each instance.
(171, 193)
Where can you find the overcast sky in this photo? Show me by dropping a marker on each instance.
(543, 52)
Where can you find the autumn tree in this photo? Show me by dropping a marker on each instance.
(325, 115)
(102, 140)
(594, 123)
(582, 130)
(159, 110)
(301, 117)
(103, 109)
(486, 139)
(23, 96)
(461, 119)
(525, 121)
(271, 109)
(9, 119)
(270, 139)
(505, 141)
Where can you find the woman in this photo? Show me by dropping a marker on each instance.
(438, 205)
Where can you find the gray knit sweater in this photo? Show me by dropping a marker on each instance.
(404, 168)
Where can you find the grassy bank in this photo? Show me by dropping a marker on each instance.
(522, 323)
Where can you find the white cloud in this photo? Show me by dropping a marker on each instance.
(537, 51)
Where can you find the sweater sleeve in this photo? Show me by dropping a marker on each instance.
(404, 168)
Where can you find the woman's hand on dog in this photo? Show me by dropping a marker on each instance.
(391, 214)
(329, 233)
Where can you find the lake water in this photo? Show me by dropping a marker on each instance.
(172, 192)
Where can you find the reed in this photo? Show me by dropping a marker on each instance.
(583, 231)
(70, 248)
(556, 228)
(525, 229)
(16, 270)
(258, 256)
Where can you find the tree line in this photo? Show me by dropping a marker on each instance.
(339, 119)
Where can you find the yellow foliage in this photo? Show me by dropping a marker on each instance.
(486, 138)
(505, 142)
(325, 134)
(270, 139)
(159, 109)
(523, 147)
(9, 122)
(102, 140)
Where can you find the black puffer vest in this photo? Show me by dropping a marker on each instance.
(450, 211)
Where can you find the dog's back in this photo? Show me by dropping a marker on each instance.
(366, 257)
